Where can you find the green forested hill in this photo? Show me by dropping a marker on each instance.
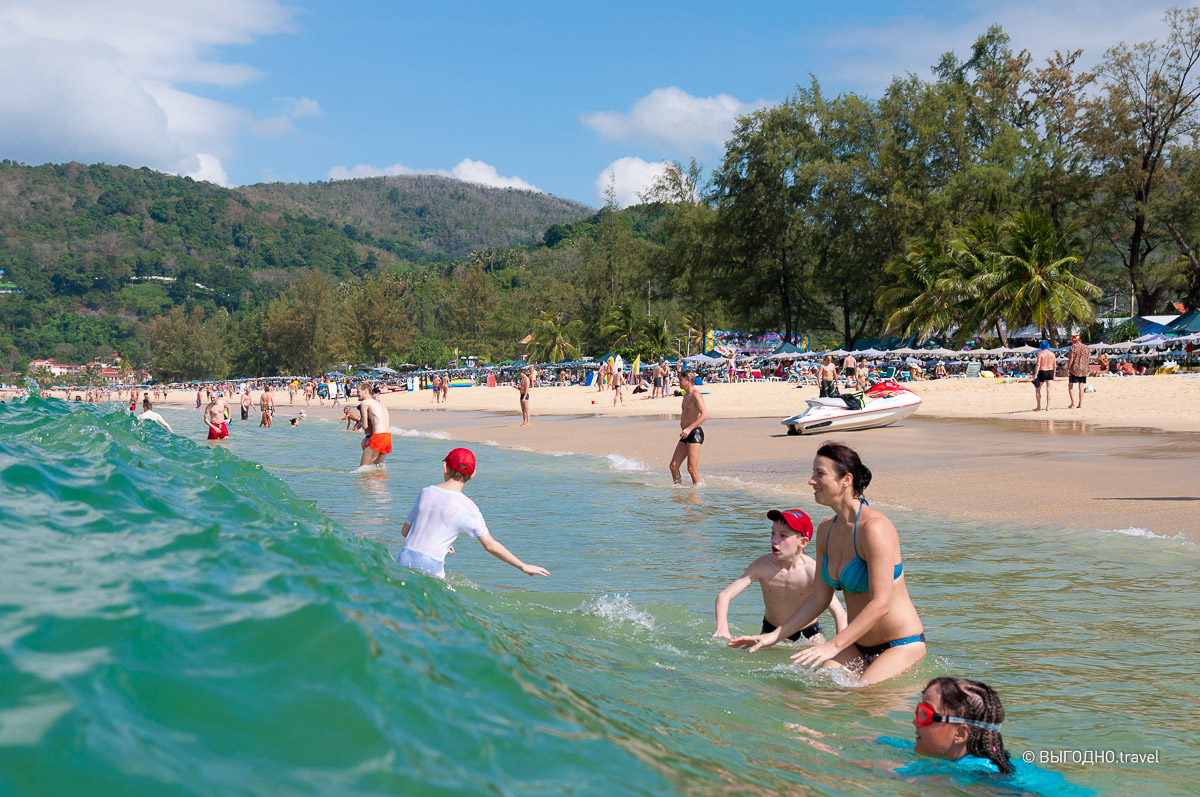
(425, 217)
(98, 250)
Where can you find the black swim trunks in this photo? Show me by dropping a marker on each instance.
(807, 633)
(1077, 380)
(697, 436)
(1045, 376)
(828, 389)
(245, 413)
(658, 381)
(524, 397)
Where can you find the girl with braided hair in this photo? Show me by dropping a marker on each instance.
(959, 718)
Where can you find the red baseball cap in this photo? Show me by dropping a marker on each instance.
(461, 460)
(1074, 338)
(795, 518)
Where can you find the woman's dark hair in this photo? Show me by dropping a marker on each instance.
(845, 460)
(974, 700)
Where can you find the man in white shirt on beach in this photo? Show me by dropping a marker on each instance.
(441, 513)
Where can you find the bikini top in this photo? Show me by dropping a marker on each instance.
(854, 577)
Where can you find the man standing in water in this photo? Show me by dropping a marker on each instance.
(523, 386)
(1043, 375)
(1077, 371)
(246, 402)
(266, 403)
(376, 424)
(691, 436)
(214, 418)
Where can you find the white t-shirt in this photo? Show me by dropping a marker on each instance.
(437, 518)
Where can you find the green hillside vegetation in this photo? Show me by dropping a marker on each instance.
(424, 218)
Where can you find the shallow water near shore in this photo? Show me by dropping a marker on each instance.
(180, 618)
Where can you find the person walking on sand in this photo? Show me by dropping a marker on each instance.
(524, 384)
(377, 430)
(691, 436)
(1043, 375)
(618, 384)
(1077, 371)
(849, 370)
(441, 513)
(214, 418)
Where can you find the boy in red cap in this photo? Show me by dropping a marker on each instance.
(441, 513)
(786, 577)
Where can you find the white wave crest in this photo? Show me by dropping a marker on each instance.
(1134, 531)
(617, 608)
(619, 462)
(400, 431)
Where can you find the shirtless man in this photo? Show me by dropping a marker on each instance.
(786, 577)
(214, 418)
(827, 375)
(246, 403)
(377, 424)
(850, 370)
(657, 374)
(691, 436)
(618, 383)
(523, 386)
(266, 403)
(1043, 375)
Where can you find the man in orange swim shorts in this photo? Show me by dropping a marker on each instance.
(376, 424)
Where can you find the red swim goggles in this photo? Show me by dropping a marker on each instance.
(927, 716)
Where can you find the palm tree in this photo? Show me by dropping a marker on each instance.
(626, 324)
(656, 336)
(1029, 284)
(924, 297)
(554, 338)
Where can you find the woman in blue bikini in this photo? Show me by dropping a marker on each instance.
(859, 554)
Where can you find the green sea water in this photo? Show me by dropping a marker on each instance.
(181, 618)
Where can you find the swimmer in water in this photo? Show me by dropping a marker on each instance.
(786, 577)
(858, 551)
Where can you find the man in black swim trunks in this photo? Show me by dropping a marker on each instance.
(691, 436)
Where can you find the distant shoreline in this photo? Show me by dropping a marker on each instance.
(1033, 470)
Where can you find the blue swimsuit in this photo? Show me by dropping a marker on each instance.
(854, 578)
(854, 575)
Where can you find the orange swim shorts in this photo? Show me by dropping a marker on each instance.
(382, 442)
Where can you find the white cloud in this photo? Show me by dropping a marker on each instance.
(88, 81)
(865, 57)
(467, 170)
(674, 120)
(276, 126)
(629, 178)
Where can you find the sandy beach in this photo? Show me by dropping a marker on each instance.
(975, 449)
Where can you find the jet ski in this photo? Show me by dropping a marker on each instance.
(883, 404)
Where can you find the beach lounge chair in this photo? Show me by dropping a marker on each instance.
(888, 373)
(973, 370)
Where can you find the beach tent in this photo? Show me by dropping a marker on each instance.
(1186, 324)
(785, 348)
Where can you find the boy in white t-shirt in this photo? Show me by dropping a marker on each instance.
(441, 513)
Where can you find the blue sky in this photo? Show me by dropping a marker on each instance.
(551, 96)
